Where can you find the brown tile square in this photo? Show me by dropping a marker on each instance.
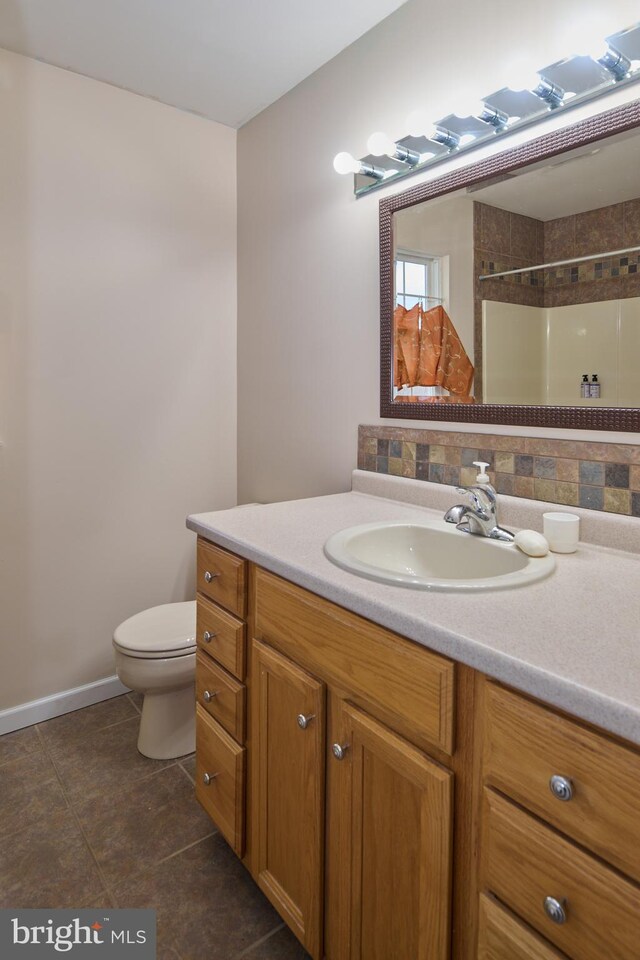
(634, 477)
(505, 462)
(544, 490)
(524, 487)
(495, 231)
(409, 469)
(48, 867)
(617, 501)
(20, 743)
(152, 819)
(371, 446)
(567, 493)
(220, 911)
(408, 450)
(436, 453)
(631, 217)
(559, 239)
(29, 791)
(505, 483)
(106, 764)
(567, 470)
(599, 230)
(395, 466)
(282, 945)
(524, 237)
(84, 723)
(452, 456)
(468, 475)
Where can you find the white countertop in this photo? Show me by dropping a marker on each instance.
(572, 640)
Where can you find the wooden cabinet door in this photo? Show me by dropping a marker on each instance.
(288, 799)
(389, 852)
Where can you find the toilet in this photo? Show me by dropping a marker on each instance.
(156, 655)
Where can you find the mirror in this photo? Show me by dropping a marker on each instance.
(510, 290)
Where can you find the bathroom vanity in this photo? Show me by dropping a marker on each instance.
(420, 775)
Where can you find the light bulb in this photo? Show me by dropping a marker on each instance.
(379, 144)
(345, 163)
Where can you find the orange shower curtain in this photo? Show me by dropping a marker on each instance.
(429, 352)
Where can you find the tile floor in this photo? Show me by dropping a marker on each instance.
(86, 821)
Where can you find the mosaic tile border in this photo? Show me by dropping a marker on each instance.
(606, 269)
(579, 473)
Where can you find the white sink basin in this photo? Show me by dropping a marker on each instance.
(433, 555)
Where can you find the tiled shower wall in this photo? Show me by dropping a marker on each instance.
(599, 476)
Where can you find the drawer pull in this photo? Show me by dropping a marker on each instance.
(339, 750)
(561, 787)
(304, 721)
(208, 576)
(208, 696)
(207, 636)
(208, 778)
(555, 909)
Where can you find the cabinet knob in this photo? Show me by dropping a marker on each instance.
(208, 696)
(561, 787)
(207, 636)
(555, 909)
(304, 721)
(208, 778)
(208, 576)
(339, 750)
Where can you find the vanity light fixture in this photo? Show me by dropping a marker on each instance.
(380, 145)
(483, 111)
(345, 163)
(607, 60)
(616, 63)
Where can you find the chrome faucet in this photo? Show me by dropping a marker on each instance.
(480, 515)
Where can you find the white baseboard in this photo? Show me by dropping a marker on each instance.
(36, 711)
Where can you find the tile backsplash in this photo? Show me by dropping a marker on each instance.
(580, 473)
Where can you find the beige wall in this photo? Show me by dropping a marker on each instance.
(117, 363)
(308, 252)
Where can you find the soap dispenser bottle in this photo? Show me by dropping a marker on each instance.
(585, 387)
(483, 479)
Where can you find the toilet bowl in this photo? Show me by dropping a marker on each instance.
(155, 653)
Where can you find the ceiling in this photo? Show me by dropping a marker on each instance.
(223, 59)
(594, 176)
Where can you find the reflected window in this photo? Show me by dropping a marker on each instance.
(418, 279)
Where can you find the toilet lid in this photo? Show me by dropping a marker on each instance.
(165, 631)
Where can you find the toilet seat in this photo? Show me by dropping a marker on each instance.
(168, 630)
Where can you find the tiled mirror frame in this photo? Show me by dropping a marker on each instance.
(617, 120)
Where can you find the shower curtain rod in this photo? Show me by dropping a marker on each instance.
(558, 263)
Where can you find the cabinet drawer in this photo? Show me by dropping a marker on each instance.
(219, 758)
(526, 744)
(222, 576)
(221, 636)
(220, 695)
(401, 683)
(501, 936)
(524, 862)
